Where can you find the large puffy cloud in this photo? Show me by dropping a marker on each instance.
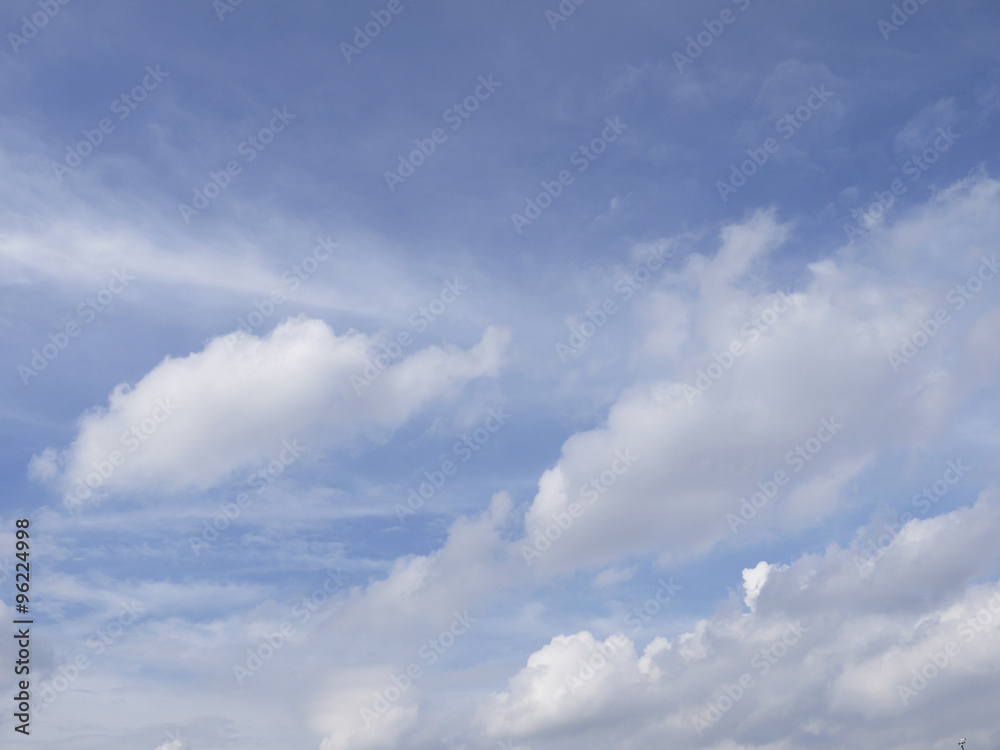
(833, 651)
(192, 420)
(806, 634)
(560, 687)
(861, 622)
(764, 379)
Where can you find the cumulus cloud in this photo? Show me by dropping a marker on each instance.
(193, 420)
(805, 649)
(822, 645)
(564, 684)
(812, 382)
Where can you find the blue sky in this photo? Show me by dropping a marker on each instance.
(500, 419)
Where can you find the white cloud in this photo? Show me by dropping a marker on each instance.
(716, 425)
(193, 420)
(564, 683)
(822, 358)
(753, 580)
(823, 647)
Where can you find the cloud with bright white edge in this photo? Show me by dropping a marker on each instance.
(897, 643)
(652, 693)
(753, 581)
(856, 646)
(193, 420)
(813, 355)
